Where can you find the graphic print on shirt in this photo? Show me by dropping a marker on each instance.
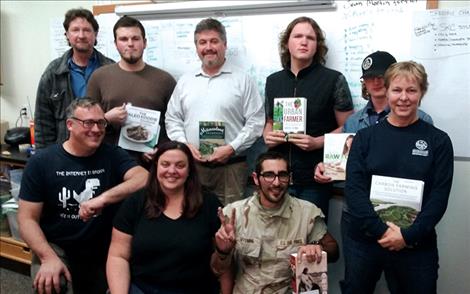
(76, 191)
(421, 147)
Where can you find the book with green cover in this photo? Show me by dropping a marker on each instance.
(211, 135)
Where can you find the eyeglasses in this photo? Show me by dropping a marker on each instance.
(89, 123)
(269, 176)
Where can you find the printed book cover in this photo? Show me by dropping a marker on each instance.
(335, 154)
(309, 277)
(290, 115)
(396, 199)
(211, 135)
(141, 129)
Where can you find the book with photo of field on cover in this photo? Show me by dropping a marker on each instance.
(211, 135)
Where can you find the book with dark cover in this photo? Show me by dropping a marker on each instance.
(211, 135)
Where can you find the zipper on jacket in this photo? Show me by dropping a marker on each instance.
(291, 182)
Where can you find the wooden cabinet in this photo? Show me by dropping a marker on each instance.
(15, 250)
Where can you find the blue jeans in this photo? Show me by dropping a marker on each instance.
(316, 194)
(406, 271)
(140, 288)
(134, 289)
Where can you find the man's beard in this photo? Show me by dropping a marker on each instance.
(82, 49)
(269, 198)
(131, 59)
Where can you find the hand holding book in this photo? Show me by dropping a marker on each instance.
(117, 115)
(196, 153)
(310, 253)
(319, 174)
(221, 154)
(306, 142)
(392, 239)
(274, 138)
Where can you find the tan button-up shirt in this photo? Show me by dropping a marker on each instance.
(266, 238)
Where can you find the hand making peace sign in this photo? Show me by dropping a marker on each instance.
(225, 238)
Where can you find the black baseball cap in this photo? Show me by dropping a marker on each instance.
(376, 64)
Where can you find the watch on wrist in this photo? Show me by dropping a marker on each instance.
(221, 252)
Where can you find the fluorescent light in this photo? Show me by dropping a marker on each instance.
(185, 9)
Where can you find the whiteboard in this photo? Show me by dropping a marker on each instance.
(441, 42)
(353, 30)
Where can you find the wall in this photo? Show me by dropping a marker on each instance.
(25, 52)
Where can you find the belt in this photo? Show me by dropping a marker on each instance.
(232, 160)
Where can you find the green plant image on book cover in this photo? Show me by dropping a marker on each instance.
(207, 148)
(297, 103)
(402, 216)
(211, 135)
(278, 116)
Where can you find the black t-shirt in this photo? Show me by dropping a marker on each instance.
(170, 253)
(62, 181)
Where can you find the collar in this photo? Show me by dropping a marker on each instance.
(284, 211)
(304, 71)
(370, 108)
(226, 68)
(91, 60)
(63, 66)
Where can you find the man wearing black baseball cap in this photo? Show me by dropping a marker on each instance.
(375, 64)
(374, 67)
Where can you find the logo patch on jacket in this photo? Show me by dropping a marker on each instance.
(421, 148)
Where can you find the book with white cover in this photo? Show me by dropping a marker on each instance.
(141, 129)
(309, 277)
(290, 115)
(335, 154)
(397, 200)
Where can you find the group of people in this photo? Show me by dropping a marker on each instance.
(170, 221)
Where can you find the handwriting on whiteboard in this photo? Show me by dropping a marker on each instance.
(441, 33)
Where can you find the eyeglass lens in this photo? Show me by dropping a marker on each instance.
(283, 176)
(89, 123)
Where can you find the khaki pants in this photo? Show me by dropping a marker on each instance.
(228, 182)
